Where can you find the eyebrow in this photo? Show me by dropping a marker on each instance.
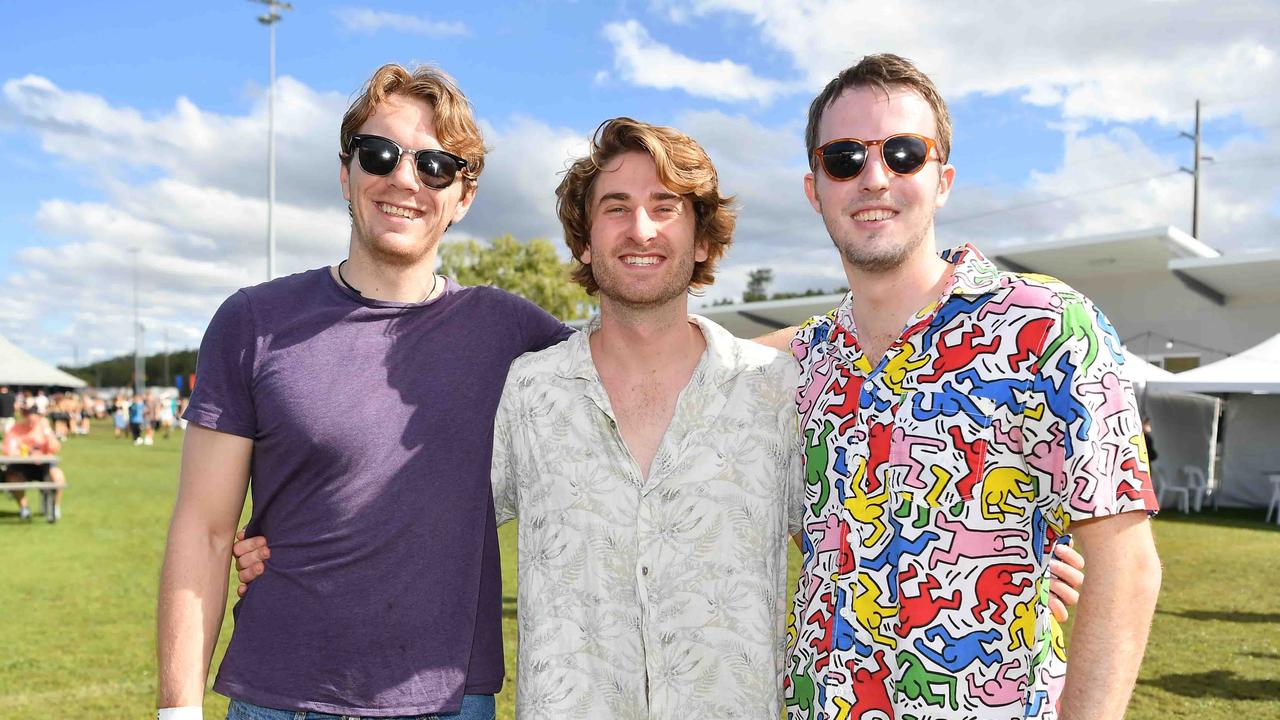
(624, 197)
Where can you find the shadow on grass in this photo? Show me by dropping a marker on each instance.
(1261, 655)
(1224, 616)
(1223, 684)
(508, 606)
(1250, 518)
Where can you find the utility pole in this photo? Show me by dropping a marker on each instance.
(1195, 174)
(270, 19)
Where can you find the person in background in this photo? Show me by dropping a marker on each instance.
(8, 405)
(32, 436)
(120, 416)
(138, 420)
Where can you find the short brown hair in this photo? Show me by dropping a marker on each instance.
(881, 71)
(454, 119)
(683, 167)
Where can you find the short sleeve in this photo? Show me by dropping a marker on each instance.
(1083, 429)
(539, 328)
(793, 452)
(502, 468)
(222, 398)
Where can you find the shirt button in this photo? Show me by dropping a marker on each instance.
(644, 570)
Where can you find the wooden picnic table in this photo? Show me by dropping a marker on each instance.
(46, 487)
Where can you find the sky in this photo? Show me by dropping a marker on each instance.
(133, 134)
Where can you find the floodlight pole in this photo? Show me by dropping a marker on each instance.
(270, 19)
(138, 368)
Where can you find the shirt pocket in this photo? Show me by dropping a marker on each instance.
(939, 447)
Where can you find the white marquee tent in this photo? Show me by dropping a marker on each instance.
(1250, 381)
(17, 367)
(1184, 426)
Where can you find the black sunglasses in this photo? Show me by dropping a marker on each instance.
(380, 156)
(902, 154)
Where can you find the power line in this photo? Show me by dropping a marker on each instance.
(1053, 199)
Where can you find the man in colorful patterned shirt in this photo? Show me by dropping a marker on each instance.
(958, 421)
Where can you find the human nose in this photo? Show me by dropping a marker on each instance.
(875, 175)
(406, 173)
(643, 228)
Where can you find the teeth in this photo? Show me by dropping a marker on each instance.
(878, 214)
(633, 260)
(402, 212)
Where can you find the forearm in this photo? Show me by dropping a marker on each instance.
(1110, 632)
(193, 595)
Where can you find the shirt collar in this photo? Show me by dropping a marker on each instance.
(973, 274)
(720, 363)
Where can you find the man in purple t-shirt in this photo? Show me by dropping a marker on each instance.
(360, 399)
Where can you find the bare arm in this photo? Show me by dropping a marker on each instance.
(778, 339)
(1116, 604)
(193, 581)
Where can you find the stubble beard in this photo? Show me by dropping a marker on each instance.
(862, 253)
(394, 254)
(615, 291)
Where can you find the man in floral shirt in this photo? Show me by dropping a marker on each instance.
(958, 421)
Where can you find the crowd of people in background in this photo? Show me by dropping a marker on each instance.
(49, 419)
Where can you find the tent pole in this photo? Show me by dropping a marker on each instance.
(1213, 481)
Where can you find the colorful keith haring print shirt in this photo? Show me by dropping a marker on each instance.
(936, 484)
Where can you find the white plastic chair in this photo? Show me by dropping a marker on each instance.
(1163, 488)
(1196, 485)
(1274, 505)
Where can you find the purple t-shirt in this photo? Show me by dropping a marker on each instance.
(372, 425)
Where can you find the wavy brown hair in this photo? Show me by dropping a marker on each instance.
(455, 121)
(883, 71)
(683, 167)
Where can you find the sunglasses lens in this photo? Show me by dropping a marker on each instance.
(905, 154)
(844, 159)
(377, 156)
(436, 169)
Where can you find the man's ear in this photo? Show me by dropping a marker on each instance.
(811, 192)
(464, 202)
(344, 179)
(945, 179)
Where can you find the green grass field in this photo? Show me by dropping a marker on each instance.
(79, 601)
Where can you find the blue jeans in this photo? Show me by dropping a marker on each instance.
(474, 707)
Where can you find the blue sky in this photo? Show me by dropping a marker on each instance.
(121, 126)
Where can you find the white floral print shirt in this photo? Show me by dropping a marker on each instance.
(658, 597)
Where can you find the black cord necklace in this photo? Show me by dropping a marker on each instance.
(434, 279)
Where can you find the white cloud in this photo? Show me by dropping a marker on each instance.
(641, 60)
(517, 189)
(1097, 59)
(365, 20)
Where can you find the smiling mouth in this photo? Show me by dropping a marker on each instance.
(399, 211)
(639, 260)
(874, 214)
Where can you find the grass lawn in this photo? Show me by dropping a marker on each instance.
(79, 600)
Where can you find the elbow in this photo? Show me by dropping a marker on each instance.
(1147, 577)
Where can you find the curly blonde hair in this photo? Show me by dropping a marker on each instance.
(683, 167)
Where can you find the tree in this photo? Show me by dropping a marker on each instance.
(758, 285)
(531, 270)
